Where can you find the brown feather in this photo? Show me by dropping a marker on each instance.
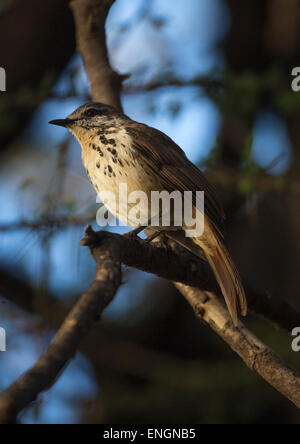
(176, 172)
(167, 159)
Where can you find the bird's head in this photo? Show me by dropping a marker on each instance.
(91, 116)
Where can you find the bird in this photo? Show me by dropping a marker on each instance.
(116, 149)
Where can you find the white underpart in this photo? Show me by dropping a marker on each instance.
(132, 173)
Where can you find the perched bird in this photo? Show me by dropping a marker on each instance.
(116, 149)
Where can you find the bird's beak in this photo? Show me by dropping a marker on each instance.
(62, 122)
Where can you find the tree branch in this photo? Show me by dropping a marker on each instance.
(63, 347)
(256, 355)
(48, 222)
(109, 251)
(90, 16)
(176, 264)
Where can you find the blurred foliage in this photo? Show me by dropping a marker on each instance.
(242, 94)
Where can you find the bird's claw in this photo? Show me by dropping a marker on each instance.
(133, 234)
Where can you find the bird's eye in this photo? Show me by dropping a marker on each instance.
(91, 113)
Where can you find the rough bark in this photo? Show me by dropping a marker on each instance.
(68, 338)
(90, 19)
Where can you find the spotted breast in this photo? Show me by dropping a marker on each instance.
(111, 160)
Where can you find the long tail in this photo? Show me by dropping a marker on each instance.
(223, 267)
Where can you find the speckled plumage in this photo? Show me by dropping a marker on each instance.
(109, 160)
(116, 149)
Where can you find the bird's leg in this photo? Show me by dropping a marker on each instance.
(136, 231)
(163, 239)
(153, 236)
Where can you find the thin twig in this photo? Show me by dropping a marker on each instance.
(47, 223)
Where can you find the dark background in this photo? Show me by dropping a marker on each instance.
(215, 76)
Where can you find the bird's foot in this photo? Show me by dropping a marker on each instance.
(163, 239)
(153, 236)
(133, 234)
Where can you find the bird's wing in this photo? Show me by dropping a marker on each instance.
(167, 159)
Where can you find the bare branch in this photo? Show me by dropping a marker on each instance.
(109, 250)
(48, 222)
(90, 16)
(258, 357)
(63, 347)
(205, 82)
(175, 264)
